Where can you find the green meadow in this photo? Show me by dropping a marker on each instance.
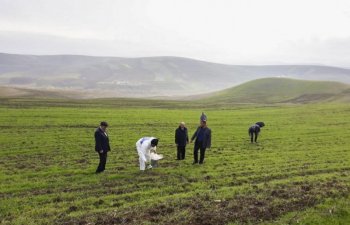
(297, 173)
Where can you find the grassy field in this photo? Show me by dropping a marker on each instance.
(298, 173)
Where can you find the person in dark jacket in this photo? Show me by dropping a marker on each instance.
(181, 140)
(203, 140)
(102, 145)
(254, 130)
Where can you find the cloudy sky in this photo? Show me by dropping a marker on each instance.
(225, 31)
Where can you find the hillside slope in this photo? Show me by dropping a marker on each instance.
(15, 92)
(282, 90)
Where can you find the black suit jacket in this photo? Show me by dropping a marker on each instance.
(206, 139)
(101, 141)
(181, 136)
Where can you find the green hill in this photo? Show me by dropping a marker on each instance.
(282, 90)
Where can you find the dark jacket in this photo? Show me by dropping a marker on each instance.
(254, 129)
(206, 136)
(181, 136)
(101, 141)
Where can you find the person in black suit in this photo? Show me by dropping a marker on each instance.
(181, 140)
(102, 145)
(203, 140)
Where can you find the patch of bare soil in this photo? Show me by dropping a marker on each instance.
(253, 207)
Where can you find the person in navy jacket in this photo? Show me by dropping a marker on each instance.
(255, 130)
(102, 145)
(203, 140)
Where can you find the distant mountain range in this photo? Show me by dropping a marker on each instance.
(144, 77)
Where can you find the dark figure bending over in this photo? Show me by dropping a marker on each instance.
(255, 130)
(203, 140)
(181, 140)
(102, 145)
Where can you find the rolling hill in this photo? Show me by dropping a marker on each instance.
(144, 77)
(261, 91)
(282, 90)
(15, 92)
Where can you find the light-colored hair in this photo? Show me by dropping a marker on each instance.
(183, 123)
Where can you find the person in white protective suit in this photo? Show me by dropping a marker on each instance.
(146, 148)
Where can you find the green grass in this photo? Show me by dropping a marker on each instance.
(298, 173)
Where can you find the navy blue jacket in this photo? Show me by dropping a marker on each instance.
(101, 141)
(206, 143)
(254, 129)
(181, 136)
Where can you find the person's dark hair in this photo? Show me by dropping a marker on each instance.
(104, 124)
(154, 142)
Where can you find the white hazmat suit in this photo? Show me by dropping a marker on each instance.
(144, 148)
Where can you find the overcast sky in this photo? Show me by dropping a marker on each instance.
(225, 31)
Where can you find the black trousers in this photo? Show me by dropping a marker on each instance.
(181, 152)
(102, 165)
(252, 136)
(199, 146)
